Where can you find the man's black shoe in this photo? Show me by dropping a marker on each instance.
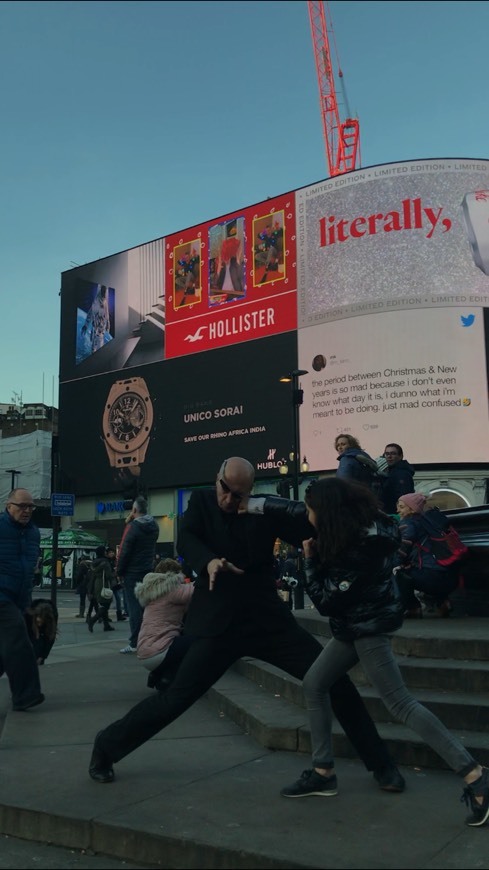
(29, 704)
(100, 768)
(389, 779)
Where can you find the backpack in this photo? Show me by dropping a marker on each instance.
(371, 477)
(442, 540)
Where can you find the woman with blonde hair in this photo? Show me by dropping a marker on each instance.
(354, 462)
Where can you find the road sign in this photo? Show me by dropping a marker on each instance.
(62, 504)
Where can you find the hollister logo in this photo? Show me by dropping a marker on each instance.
(411, 216)
(241, 323)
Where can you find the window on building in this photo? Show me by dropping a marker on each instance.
(447, 499)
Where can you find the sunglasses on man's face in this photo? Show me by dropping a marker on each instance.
(237, 496)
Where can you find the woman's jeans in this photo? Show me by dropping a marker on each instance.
(377, 660)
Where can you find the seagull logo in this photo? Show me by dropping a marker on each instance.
(467, 321)
(197, 336)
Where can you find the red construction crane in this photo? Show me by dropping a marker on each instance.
(342, 137)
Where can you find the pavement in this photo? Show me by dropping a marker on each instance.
(202, 793)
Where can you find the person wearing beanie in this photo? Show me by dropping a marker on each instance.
(416, 569)
(165, 597)
(415, 501)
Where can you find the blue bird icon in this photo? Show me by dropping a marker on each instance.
(467, 321)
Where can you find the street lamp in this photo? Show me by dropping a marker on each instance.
(13, 472)
(297, 399)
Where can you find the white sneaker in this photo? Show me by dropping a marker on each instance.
(128, 649)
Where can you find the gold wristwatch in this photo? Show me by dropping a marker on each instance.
(127, 422)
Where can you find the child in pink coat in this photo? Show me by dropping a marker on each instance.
(164, 596)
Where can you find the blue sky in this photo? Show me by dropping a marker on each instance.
(126, 121)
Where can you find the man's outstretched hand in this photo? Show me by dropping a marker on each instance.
(216, 565)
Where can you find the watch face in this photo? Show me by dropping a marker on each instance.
(128, 421)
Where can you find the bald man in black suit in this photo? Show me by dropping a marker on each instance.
(236, 611)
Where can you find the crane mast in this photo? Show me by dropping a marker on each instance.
(342, 138)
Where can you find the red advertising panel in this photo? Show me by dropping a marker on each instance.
(232, 279)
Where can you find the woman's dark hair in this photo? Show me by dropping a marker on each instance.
(49, 624)
(343, 509)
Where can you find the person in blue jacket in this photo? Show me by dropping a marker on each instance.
(19, 552)
(354, 462)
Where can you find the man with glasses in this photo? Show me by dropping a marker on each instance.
(235, 611)
(398, 479)
(19, 552)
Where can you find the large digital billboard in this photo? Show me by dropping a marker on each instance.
(112, 313)
(232, 279)
(376, 283)
(172, 423)
(393, 283)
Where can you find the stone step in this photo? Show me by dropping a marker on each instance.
(448, 676)
(276, 722)
(461, 707)
(435, 674)
(461, 639)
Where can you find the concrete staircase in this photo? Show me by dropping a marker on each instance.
(445, 663)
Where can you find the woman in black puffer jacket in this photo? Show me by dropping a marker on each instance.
(349, 578)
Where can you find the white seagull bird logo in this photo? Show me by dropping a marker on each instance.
(197, 336)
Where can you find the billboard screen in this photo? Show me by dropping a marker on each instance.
(124, 322)
(376, 283)
(232, 279)
(393, 282)
(172, 423)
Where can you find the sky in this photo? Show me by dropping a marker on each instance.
(125, 121)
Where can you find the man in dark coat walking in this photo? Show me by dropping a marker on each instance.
(136, 558)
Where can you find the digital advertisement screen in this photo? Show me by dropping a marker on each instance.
(398, 236)
(393, 280)
(173, 423)
(233, 279)
(416, 378)
(113, 313)
(376, 283)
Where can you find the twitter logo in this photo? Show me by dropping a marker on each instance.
(467, 321)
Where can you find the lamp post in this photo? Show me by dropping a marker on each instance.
(13, 472)
(297, 400)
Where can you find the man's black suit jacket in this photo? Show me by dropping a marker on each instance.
(247, 540)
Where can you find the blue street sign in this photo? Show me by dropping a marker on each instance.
(62, 504)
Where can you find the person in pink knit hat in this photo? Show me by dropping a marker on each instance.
(417, 569)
